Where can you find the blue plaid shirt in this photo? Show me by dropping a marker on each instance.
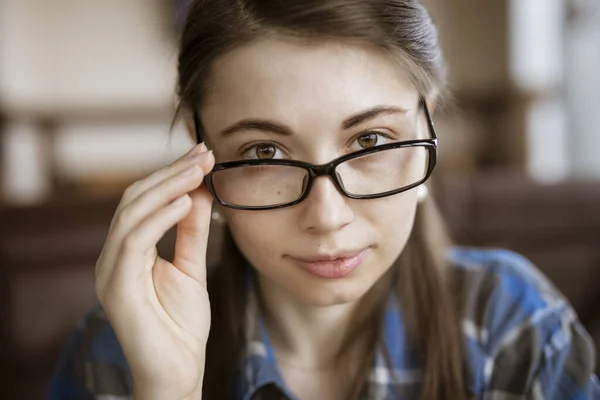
(522, 340)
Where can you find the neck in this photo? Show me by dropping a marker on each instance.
(316, 337)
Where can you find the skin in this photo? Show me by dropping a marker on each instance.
(160, 310)
(311, 90)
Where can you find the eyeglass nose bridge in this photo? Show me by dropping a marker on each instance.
(329, 169)
(322, 170)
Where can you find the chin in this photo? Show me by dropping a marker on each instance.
(330, 293)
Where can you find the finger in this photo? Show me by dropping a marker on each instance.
(149, 202)
(134, 261)
(192, 235)
(162, 193)
(190, 158)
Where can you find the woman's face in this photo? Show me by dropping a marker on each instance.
(308, 92)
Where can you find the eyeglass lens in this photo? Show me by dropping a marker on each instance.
(273, 185)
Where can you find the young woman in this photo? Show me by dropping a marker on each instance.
(336, 280)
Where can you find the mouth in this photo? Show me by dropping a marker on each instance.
(333, 265)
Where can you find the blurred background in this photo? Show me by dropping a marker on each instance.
(87, 100)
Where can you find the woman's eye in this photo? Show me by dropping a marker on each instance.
(370, 139)
(263, 151)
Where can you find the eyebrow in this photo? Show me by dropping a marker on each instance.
(370, 114)
(278, 129)
(257, 125)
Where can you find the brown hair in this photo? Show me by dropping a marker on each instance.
(404, 29)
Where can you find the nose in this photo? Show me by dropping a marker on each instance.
(325, 209)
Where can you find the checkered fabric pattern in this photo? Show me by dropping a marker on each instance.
(522, 340)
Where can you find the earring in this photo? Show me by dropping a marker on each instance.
(217, 217)
(422, 193)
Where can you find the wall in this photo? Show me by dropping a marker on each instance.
(103, 72)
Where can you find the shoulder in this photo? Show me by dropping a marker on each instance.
(92, 360)
(522, 335)
(502, 291)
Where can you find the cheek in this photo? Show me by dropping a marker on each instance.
(392, 210)
(392, 219)
(385, 223)
(257, 234)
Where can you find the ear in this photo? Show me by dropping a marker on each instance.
(431, 105)
(432, 100)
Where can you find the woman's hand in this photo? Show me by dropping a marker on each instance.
(160, 310)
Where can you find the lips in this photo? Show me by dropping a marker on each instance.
(333, 265)
(331, 257)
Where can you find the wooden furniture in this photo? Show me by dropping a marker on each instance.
(47, 259)
(556, 226)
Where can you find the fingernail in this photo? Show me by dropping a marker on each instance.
(200, 147)
(210, 154)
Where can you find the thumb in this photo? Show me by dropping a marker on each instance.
(192, 235)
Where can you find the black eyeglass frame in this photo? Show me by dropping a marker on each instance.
(328, 169)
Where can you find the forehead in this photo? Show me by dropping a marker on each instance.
(289, 81)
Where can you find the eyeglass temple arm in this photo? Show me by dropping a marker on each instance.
(429, 119)
(197, 128)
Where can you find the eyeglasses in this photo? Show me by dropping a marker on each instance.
(371, 173)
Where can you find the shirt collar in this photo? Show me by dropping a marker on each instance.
(259, 366)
